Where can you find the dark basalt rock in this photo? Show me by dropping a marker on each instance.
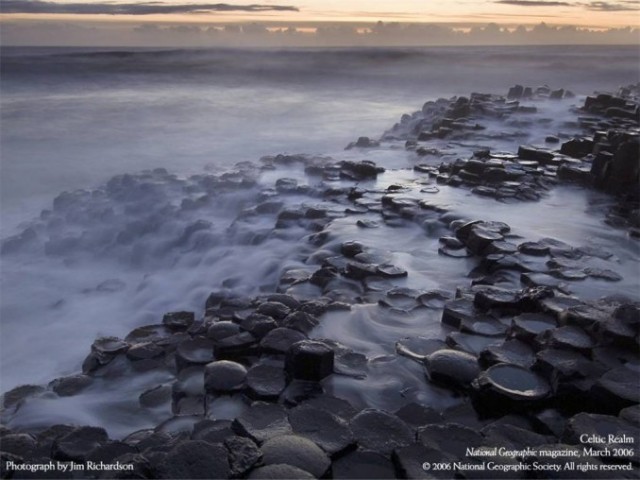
(330, 432)
(511, 351)
(616, 389)
(221, 330)
(550, 422)
(16, 395)
(301, 321)
(513, 437)
(189, 383)
(418, 415)
(359, 170)
(309, 360)
(178, 320)
(212, 431)
(456, 311)
(527, 152)
(505, 387)
(336, 406)
(363, 465)
(296, 451)
(68, 386)
(195, 459)
(258, 325)
(155, 397)
(494, 297)
(239, 344)
(195, 351)
(480, 238)
(452, 367)
(21, 444)
(224, 376)
(631, 415)
(77, 444)
(595, 428)
(109, 346)
(528, 325)
(560, 365)
(275, 310)
(469, 343)
(582, 315)
(108, 452)
(262, 421)
(534, 248)
(243, 455)
(145, 351)
(148, 333)
(450, 438)
(418, 348)
(485, 327)
(279, 472)
(380, 431)
(409, 462)
(265, 382)
(568, 337)
(391, 271)
(280, 340)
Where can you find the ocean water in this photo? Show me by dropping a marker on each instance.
(120, 247)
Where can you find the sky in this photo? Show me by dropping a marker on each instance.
(74, 22)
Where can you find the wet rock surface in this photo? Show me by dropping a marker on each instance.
(513, 355)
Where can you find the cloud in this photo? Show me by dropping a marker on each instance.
(614, 7)
(534, 3)
(146, 8)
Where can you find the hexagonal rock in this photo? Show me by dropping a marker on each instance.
(76, 445)
(380, 431)
(505, 387)
(279, 472)
(309, 360)
(279, 340)
(109, 346)
(195, 351)
(452, 367)
(224, 376)
(195, 459)
(458, 310)
(330, 432)
(479, 239)
(603, 432)
(21, 444)
(616, 389)
(16, 395)
(178, 320)
(511, 351)
(262, 421)
(631, 415)
(363, 465)
(450, 438)
(275, 310)
(265, 382)
(297, 451)
(528, 325)
(494, 297)
(243, 454)
(569, 337)
(71, 385)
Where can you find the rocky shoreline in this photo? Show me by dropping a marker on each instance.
(541, 375)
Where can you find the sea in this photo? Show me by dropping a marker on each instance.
(101, 150)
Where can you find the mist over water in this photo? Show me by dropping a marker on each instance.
(121, 248)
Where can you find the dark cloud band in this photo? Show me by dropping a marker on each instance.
(150, 8)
